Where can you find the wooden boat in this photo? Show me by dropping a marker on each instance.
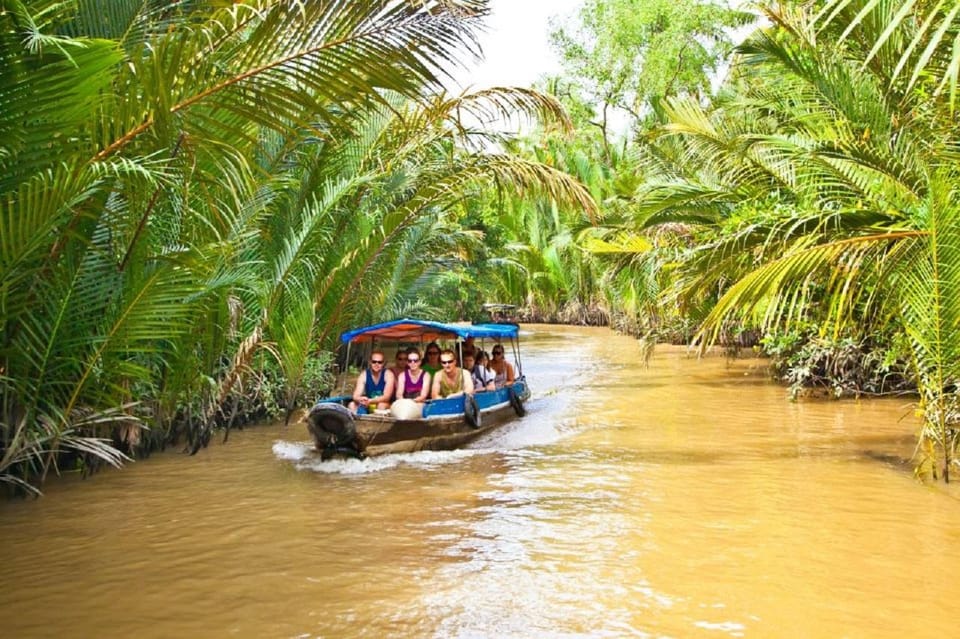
(444, 424)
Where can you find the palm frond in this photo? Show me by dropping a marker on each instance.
(923, 34)
(776, 290)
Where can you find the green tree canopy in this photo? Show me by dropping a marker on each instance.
(631, 54)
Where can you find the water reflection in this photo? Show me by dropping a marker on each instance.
(530, 542)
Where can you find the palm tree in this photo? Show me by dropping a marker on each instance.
(129, 196)
(825, 184)
(359, 220)
(217, 188)
(912, 44)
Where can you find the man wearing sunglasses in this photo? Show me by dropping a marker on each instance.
(451, 380)
(375, 386)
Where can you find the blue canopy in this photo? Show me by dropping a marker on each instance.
(409, 330)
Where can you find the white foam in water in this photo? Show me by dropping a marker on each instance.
(533, 430)
(537, 428)
(306, 457)
(293, 451)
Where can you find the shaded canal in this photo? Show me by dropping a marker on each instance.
(686, 499)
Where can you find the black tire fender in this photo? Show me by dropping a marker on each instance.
(516, 402)
(471, 411)
(332, 425)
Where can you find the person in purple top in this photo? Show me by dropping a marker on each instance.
(414, 382)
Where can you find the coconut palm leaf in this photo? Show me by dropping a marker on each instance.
(921, 35)
(776, 290)
(930, 297)
(143, 266)
(45, 104)
(264, 65)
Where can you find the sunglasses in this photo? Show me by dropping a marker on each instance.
(498, 352)
(376, 361)
(413, 359)
(433, 352)
(446, 361)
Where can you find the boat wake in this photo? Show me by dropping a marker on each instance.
(305, 457)
(540, 427)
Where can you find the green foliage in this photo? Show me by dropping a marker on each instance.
(196, 197)
(820, 188)
(269, 388)
(148, 154)
(839, 366)
(913, 44)
(632, 54)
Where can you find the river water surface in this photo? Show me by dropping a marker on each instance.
(689, 498)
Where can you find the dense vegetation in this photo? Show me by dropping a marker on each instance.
(196, 197)
(806, 205)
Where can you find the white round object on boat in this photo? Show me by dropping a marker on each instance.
(406, 409)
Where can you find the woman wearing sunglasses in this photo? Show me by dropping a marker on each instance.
(502, 369)
(414, 382)
(399, 365)
(431, 360)
(452, 380)
(375, 386)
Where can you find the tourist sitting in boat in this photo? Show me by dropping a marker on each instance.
(482, 377)
(399, 365)
(468, 346)
(375, 386)
(502, 369)
(414, 382)
(431, 361)
(452, 380)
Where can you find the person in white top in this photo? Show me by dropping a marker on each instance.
(501, 368)
(482, 378)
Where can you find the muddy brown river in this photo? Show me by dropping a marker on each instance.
(689, 498)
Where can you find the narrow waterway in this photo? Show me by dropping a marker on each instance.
(688, 498)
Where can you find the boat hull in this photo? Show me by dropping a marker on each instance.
(444, 425)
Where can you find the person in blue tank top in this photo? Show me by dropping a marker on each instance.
(375, 386)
